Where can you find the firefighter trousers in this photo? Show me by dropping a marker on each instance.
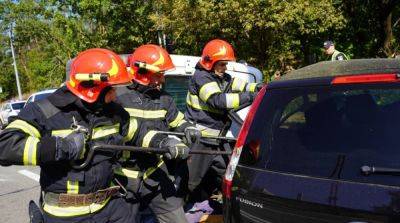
(162, 196)
(116, 211)
(205, 173)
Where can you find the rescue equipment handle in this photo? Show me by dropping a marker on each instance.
(204, 137)
(234, 116)
(94, 148)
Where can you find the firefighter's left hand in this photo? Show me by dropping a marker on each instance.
(176, 149)
(192, 135)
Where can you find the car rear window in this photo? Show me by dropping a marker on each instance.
(17, 106)
(177, 87)
(328, 132)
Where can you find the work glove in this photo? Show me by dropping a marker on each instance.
(72, 147)
(248, 96)
(176, 149)
(192, 134)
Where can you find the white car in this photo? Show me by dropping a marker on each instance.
(39, 95)
(10, 109)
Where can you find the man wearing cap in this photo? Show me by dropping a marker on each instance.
(329, 47)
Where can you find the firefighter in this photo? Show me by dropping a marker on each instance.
(211, 94)
(56, 132)
(146, 101)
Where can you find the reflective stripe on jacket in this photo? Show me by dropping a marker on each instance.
(210, 97)
(157, 111)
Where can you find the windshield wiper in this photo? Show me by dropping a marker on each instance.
(368, 170)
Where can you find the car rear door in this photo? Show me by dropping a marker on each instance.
(302, 157)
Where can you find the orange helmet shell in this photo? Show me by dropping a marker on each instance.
(216, 50)
(93, 61)
(153, 55)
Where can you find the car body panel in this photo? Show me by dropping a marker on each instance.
(296, 198)
(260, 193)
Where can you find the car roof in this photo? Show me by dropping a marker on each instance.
(345, 67)
(323, 72)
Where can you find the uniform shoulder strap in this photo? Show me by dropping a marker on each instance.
(48, 109)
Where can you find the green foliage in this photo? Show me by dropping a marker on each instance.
(273, 35)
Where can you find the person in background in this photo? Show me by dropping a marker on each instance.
(329, 49)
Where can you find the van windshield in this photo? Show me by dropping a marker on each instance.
(328, 132)
(177, 87)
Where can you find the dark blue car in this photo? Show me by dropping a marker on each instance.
(320, 145)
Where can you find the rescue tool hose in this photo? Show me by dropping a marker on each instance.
(140, 150)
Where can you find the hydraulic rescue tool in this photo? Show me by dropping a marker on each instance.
(103, 147)
(98, 147)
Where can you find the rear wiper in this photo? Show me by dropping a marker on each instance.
(368, 170)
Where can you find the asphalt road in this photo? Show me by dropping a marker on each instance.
(18, 185)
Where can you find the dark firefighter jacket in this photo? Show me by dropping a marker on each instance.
(30, 140)
(157, 111)
(210, 97)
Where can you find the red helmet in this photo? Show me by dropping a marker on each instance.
(93, 70)
(148, 64)
(214, 51)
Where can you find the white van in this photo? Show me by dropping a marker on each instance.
(176, 81)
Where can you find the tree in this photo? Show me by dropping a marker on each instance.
(370, 29)
(272, 34)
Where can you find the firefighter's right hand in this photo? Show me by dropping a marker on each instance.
(249, 96)
(192, 135)
(176, 149)
(72, 147)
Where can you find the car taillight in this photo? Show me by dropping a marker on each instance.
(230, 170)
(366, 78)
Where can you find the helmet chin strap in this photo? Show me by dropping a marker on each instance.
(98, 105)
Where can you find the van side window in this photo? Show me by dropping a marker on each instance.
(177, 87)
